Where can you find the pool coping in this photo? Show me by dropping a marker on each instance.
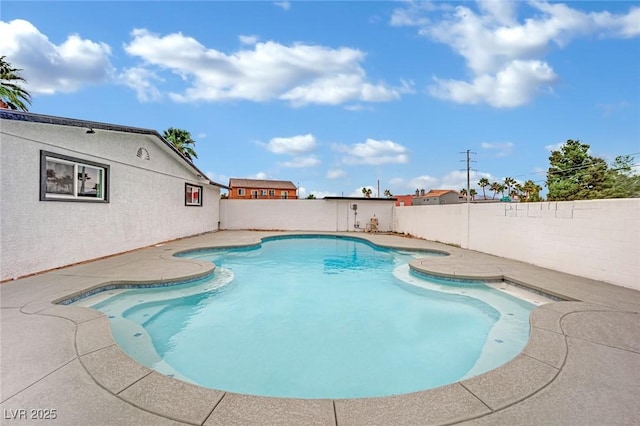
(499, 392)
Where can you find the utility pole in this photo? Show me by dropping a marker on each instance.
(469, 161)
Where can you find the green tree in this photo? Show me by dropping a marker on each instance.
(366, 192)
(388, 193)
(573, 174)
(182, 141)
(501, 189)
(622, 181)
(483, 183)
(311, 197)
(11, 93)
(463, 192)
(473, 193)
(531, 191)
(508, 183)
(495, 187)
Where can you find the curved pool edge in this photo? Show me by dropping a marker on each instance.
(538, 365)
(533, 369)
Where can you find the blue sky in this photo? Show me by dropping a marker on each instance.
(336, 96)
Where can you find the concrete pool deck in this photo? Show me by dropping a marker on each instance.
(580, 366)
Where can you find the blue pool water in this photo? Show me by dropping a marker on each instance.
(317, 318)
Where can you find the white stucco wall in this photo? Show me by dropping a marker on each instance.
(598, 239)
(146, 198)
(304, 215)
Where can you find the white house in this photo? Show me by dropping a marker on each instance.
(73, 190)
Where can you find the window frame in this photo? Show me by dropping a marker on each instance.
(75, 162)
(284, 195)
(241, 192)
(186, 194)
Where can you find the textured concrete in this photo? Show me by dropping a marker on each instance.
(580, 366)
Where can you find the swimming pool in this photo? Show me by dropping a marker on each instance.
(317, 318)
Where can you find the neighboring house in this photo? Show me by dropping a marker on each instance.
(404, 200)
(437, 196)
(262, 189)
(74, 190)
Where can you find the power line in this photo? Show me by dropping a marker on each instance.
(582, 166)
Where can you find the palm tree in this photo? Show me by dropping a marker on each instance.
(388, 193)
(518, 190)
(484, 182)
(495, 187)
(501, 189)
(531, 190)
(473, 193)
(508, 183)
(463, 192)
(366, 192)
(182, 141)
(11, 93)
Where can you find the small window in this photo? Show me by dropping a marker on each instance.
(64, 178)
(284, 195)
(272, 192)
(193, 195)
(254, 193)
(263, 192)
(241, 192)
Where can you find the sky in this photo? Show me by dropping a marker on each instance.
(337, 96)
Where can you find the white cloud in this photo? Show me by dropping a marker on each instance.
(248, 39)
(358, 191)
(513, 86)
(140, 80)
(554, 147)
(260, 175)
(373, 152)
(301, 162)
(335, 174)
(421, 182)
(502, 149)
(455, 180)
(283, 4)
(294, 145)
(50, 68)
(300, 73)
(321, 194)
(505, 56)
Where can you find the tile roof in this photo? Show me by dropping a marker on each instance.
(261, 183)
(438, 192)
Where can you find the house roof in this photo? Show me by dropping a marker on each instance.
(261, 183)
(62, 121)
(439, 192)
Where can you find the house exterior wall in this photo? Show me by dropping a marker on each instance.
(598, 239)
(248, 193)
(328, 215)
(146, 198)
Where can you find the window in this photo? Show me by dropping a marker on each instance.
(193, 195)
(254, 193)
(241, 192)
(284, 195)
(64, 178)
(272, 193)
(263, 192)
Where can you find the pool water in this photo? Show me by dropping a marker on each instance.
(317, 318)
